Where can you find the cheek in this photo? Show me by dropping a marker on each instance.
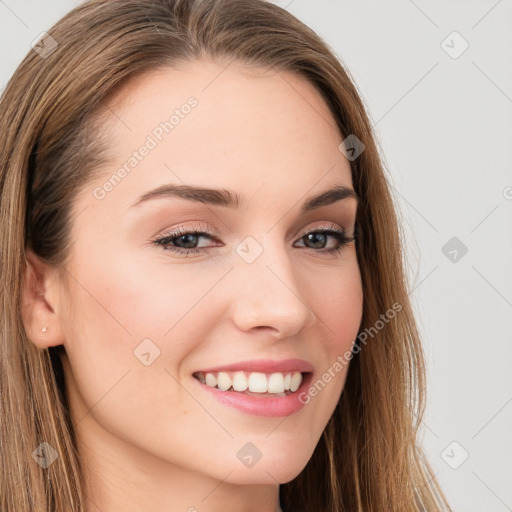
(128, 333)
(170, 310)
(169, 302)
(345, 306)
(163, 308)
(133, 299)
(336, 297)
(337, 301)
(133, 324)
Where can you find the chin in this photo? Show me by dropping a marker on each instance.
(274, 470)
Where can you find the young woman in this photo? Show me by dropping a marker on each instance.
(204, 305)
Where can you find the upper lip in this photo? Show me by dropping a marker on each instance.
(263, 366)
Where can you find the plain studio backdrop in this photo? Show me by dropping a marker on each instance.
(436, 78)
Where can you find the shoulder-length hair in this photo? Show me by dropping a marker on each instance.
(368, 458)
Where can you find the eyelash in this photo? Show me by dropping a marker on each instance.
(337, 233)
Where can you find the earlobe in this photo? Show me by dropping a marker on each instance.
(40, 311)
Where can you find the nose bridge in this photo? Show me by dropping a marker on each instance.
(269, 291)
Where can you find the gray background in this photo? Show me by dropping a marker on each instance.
(445, 128)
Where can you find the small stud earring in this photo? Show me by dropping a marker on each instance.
(43, 330)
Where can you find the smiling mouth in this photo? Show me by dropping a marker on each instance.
(277, 384)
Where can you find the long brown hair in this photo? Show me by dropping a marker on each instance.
(368, 458)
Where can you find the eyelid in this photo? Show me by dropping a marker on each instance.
(322, 227)
(175, 232)
(209, 230)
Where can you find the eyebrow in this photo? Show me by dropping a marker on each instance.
(229, 199)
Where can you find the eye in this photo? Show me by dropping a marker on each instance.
(184, 241)
(321, 235)
(187, 237)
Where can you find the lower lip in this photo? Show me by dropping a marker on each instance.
(261, 405)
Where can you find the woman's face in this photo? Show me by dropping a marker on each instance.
(141, 319)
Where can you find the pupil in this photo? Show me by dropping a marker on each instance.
(191, 236)
(314, 236)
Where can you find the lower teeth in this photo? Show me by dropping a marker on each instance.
(251, 393)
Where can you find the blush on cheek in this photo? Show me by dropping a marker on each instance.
(340, 308)
(155, 298)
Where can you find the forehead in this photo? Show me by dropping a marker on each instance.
(221, 125)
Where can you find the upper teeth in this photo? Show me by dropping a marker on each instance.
(255, 382)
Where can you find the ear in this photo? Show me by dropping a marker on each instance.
(41, 311)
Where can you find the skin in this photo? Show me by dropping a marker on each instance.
(150, 439)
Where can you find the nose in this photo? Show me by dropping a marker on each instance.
(268, 296)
